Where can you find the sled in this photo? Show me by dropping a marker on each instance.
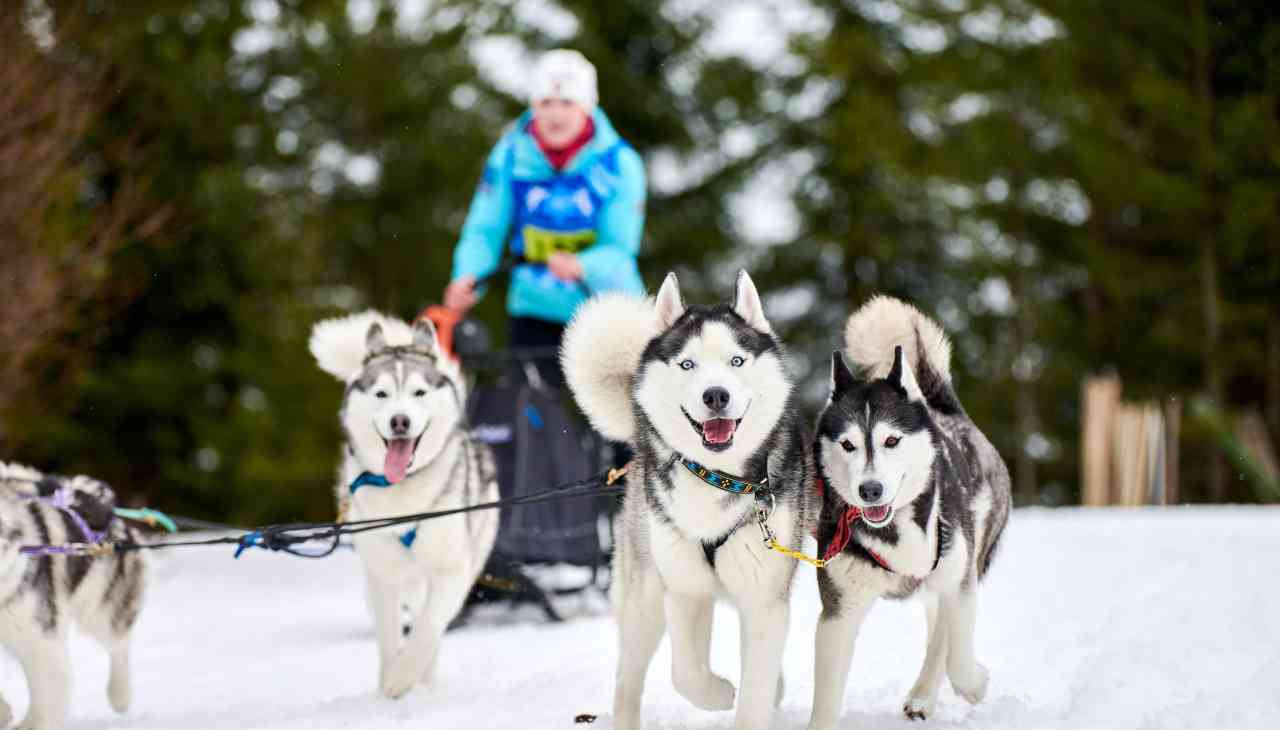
(538, 440)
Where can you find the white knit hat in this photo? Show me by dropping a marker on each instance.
(564, 74)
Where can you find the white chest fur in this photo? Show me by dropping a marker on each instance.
(743, 566)
(701, 511)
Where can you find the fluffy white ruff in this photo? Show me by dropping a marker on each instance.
(884, 323)
(601, 354)
(340, 345)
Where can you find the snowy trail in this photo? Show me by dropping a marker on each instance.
(1095, 619)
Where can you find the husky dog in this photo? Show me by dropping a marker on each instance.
(407, 451)
(41, 595)
(915, 500)
(703, 396)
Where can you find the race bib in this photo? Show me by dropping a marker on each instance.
(539, 243)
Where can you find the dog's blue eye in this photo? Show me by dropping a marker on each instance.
(891, 442)
(738, 361)
(380, 394)
(847, 445)
(686, 364)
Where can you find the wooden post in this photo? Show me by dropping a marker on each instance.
(1172, 431)
(1101, 398)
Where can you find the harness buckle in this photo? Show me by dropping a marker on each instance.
(764, 507)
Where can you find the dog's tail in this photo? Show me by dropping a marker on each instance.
(883, 323)
(600, 356)
(339, 345)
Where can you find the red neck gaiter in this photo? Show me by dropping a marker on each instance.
(559, 158)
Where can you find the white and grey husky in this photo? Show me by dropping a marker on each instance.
(408, 451)
(703, 395)
(41, 595)
(914, 504)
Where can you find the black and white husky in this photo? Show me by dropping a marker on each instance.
(408, 451)
(703, 395)
(41, 595)
(915, 500)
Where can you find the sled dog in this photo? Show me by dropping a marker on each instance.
(703, 396)
(41, 595)
(914, 503)
(407, 451)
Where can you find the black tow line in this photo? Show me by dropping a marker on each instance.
(289, 538)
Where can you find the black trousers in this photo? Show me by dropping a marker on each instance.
(528, 332)
(539, 334)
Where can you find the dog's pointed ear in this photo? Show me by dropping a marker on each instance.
(746, 302)
(902, 377)
(669, 307)
(424, 336)
(842, 378)
(375, 341)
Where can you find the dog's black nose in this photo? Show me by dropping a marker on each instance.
(717, 398)
(399, 424)
(871, 491)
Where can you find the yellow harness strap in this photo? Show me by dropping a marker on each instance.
(778, 547)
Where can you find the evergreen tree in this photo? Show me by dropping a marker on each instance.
(318, 157)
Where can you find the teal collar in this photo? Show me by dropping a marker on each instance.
(721, 480)
(369, 479)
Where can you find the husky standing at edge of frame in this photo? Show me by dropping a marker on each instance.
(407, 451)
(915, 502)
(42, 595)
(703, 396)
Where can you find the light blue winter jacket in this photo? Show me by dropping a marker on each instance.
(594, 207)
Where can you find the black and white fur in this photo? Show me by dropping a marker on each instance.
(41, 596)
(642, 370)
(399, 385)
(895, 435)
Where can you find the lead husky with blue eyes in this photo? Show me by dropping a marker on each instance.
(408, 451)
(703, 396)
(915, 501)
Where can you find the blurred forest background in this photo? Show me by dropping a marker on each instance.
(1070, 186)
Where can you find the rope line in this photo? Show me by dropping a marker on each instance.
(289, 537)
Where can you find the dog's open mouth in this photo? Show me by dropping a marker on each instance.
(877, 516)
(717, 433)
(399, 457)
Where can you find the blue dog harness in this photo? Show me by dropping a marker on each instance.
(369, 479)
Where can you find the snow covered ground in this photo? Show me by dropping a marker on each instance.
(1095, 619)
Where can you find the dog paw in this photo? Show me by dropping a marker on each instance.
(971, 685)
(402, 674)
(707, 692)
(919, 708)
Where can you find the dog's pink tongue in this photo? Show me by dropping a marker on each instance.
(718, 430)
(877, 514)
(399, 454)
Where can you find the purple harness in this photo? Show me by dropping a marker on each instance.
(61, 500)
